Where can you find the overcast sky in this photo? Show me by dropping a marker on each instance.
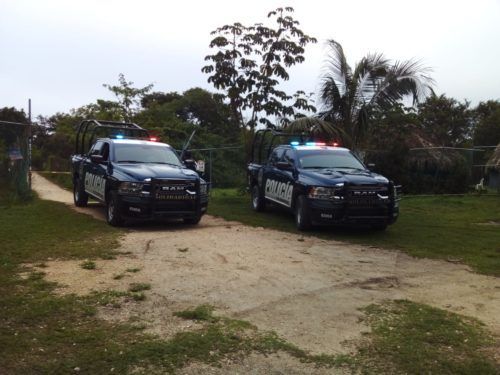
(60, 52)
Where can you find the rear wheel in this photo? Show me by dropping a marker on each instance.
(302, 216)
(257, 199)
(80, 197)
(113, 211)
(192, 220)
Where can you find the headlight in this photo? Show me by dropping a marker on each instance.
(203, 188)
(319, 192)
(130, 188)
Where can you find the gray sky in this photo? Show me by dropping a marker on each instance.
(60, 52)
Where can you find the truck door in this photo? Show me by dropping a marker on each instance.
(277, 183)
(95, 172)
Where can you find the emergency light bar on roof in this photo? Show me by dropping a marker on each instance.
(313, 144)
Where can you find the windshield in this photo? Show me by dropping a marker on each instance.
(328, 159)
(145, 153)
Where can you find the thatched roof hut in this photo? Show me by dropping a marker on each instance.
(493, 169)
(494, 161)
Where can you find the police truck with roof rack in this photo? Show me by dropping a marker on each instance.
(322, 184)
(134, 175)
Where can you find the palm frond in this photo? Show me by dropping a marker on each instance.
(405, 78)
(336, 66)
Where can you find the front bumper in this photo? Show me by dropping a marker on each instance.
(140, 207)
(328, 212)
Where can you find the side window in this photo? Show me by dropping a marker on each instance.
(276, 155)
(105, 151)
(289, 156)
(96, 149)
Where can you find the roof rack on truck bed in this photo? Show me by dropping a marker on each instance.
(88, 129)
(264, 141)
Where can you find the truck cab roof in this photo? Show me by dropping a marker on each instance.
(131, 141)
(315, 147)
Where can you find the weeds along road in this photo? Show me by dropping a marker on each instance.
(306, 289)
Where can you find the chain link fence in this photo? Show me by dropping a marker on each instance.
(431, 170)
(15, 158)
(222, 167)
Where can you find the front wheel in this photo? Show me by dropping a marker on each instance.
(192, 220)
(80, 197)
(257, 199)
(302, 216)
(113, 211)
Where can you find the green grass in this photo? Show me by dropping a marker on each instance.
(457, 228)
(41, 332)
(133, 270)
(139, 287)
(411, 338)
(202, 312)
(88, 265)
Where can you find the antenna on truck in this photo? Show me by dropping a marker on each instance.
(186, 145)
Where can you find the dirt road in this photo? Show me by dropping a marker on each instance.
(306, 289)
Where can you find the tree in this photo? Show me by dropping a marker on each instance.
(128, 97)
(446, 121)
(487, 123)
(158, 98)
(250, 63)
(349, 96)
(12, 114)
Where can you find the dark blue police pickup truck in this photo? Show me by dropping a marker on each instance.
(135, 176)
(322, 185)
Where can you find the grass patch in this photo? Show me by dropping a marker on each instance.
(88, 265)
(133, 270)
(412, 338)
(456, 228)
(139, 287)
(202, 312)
(211, 342)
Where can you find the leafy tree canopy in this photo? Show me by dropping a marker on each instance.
(129, 97)
(446, 121)
(487, 123)
(250, 62)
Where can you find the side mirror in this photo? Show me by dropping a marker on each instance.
(284, 166)
(190, 164)
(98, 159)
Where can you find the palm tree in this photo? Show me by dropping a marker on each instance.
(349, 96)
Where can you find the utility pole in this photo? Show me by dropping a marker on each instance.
(30, 133)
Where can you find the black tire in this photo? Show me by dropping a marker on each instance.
(113, 210)
(192, 220)
(302, 216)
(80, 197)
(258, 203)
(379, 227)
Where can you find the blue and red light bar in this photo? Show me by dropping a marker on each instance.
(296, 143)
(152, 139)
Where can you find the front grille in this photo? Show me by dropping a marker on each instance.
(366, 196)
(173, 190)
